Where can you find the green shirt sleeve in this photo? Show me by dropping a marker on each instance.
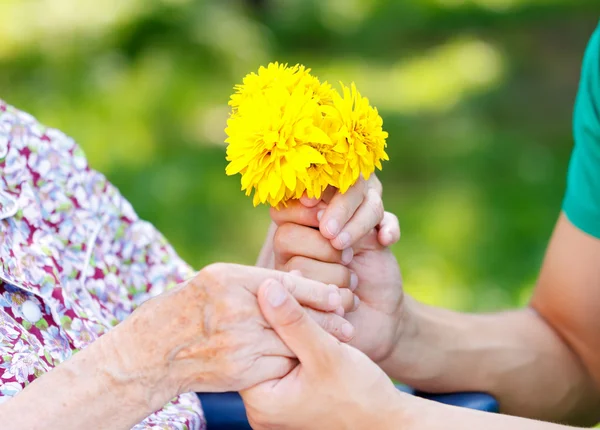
(582, 200)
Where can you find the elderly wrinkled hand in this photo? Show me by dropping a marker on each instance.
(208, 334)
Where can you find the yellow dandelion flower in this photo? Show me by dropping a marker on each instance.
(290, 134)
(273, 75)
(324, 174)
(323, 92)
(270, 142)
(359, 137)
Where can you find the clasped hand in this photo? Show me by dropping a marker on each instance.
(342, 240)
(208, 334)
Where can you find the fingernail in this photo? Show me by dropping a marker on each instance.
(275, 294)
(347, 255)
(387, 235)
(335, 300)
(353, 281)
(340, 311)
(320, 214)
(309, 201)
(356, 303)
(344, 239)
(347, 330)
(332, 227)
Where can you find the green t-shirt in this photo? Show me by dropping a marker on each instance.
(582, 199)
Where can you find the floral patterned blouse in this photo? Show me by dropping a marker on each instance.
(75, 260)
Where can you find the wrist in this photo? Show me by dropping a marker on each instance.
(128, 370)
(90, 387)
(164, 347)
(414, 357)
(417, 413)
(402, 411)
(405, 335)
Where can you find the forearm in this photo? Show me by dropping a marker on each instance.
(88, 390)
(514, 356)
(426, 415)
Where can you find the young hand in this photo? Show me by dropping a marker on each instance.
(342, 219)
(334, 386)
(373, 274)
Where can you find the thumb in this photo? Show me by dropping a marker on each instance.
(388, 230)
(304, 337)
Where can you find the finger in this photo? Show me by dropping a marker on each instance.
(254, 397)
(389, 230)
(313, 346)
(374, 183)
(341, 208)
(328, 298)
(325, 297)
(328, 273)
(297, 213)
(367, 217)
(266, 368)
(368, 242)
(308, 292)
(328, 194)
(271, 344)
(347, 281)
(309, 202)
(333, 324)
(295, 240)
(349, 300)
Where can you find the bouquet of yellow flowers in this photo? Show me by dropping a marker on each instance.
(290, 134)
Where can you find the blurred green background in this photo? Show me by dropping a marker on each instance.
(476, 95)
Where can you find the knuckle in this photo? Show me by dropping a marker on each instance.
(283, 237)
(295, 263)
(214, 269)
(361, 183)
(375, 204)
(328, 323)
(325, 293)
(319, 296)
(343, 208)
(316, 316)
(288, 283)
(375, 183)
(211, 274)
(295, 316)
(276, 215)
